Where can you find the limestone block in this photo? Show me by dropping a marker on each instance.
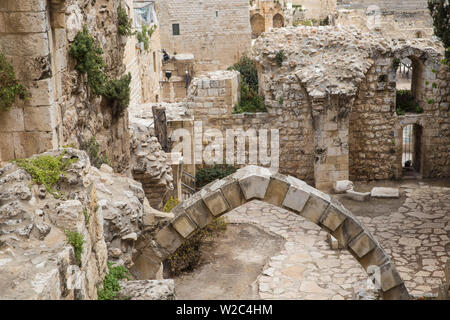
(26, 5)
(28, 143)
(333, 217)
(357, 196)
(232, 193)
(362, 244)
(342, 186)
(254, 187)
(184, 225)
(6, 147)
(381, 192)
(347, 231)
(216, 202)
(169, 239)
(37, 119)
(12, 120)
(146, 265)
(24, 22)
(375, 257)
(447, 272)
(41, 93)
(389, 277)
(197, 210)
(296, 198)
(68, 215)
(147, 290)
(25, 45)
(277, 189)
(74, 21)
(315, 206)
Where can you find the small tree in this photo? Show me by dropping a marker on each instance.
(440, 12)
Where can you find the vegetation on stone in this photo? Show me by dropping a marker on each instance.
(407, 103)
(46, 170)
(125, 23)
(207, 175)
(170, 204)
(111, 286)
(188, 255)
(145, 35)
(251, 101)
(76, 240)
(440, 12)
(10, 88)
(90, 61)
(280, 57)
(92, 148)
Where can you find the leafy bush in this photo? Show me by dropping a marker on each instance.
(125, 23)
(76, 240)
(170, 204)
(207, 175)
(145, 35)
(188, 255)
(10, 88)
(406, 103)
(251, 101)
(46, 170)
(90, 61)
(92, 148)
(111, 286)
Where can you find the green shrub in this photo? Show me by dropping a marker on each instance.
(188, 255)
(145, 35)
(90, 61)
(170, 204)
(10, 88)
(87, 217)
(76, 240)
(207, 175)
(92, 148)
(125, 23)
(251, 101)
(46, 170)
(111, 286)
(406, 103)
(280, 57)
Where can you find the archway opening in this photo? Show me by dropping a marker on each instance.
(409, 85)
(258, 25)
(411, 151)
(278, 21)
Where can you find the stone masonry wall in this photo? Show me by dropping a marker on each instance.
(36, 37)
(216, 32)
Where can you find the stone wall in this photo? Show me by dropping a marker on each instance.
(397, 19)
(36, 37)
(216, 32)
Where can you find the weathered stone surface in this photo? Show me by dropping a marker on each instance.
(333, 217)
(362, 244)
(315, 207)
(184, 225)
(296, 198)
(276, 191)
(216, 203)
(254, 187)
(381, 192)
(357, 196)
(233, 193)
(169, 239)
(147, 290)
(342, 186)
(347, 231)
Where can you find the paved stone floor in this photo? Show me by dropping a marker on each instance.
(416, 237)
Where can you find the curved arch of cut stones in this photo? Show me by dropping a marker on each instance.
(254, 182)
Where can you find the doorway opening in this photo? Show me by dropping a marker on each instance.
(409, 85)
(411, 151)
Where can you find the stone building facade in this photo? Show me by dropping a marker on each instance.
(333, 100)
(397, 19)
(36, 36)
(216, 32)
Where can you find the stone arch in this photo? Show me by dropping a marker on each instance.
(254, 182)
(278, 21)
(258, 25)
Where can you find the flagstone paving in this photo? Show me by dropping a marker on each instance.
(416, 237)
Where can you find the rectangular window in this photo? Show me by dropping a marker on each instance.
(176, 29)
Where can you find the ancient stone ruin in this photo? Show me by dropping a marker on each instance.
(133, 130)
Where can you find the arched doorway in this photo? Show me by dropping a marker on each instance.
(254, 182)
(278, 21)
(412, 151)
(410, 84)
(258, 25)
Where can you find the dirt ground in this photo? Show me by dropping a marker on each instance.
(230, 265)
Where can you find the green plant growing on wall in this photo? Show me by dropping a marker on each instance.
(46, 170)
(251, 101)
(207, 175)
(90, 61)
(76, 240)
(406, 103)
(87, 217)
(145, 35)
(170, 204)
(125, 23)
(111, 286)
(280, 57)
(10, 88)
(92, 148)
